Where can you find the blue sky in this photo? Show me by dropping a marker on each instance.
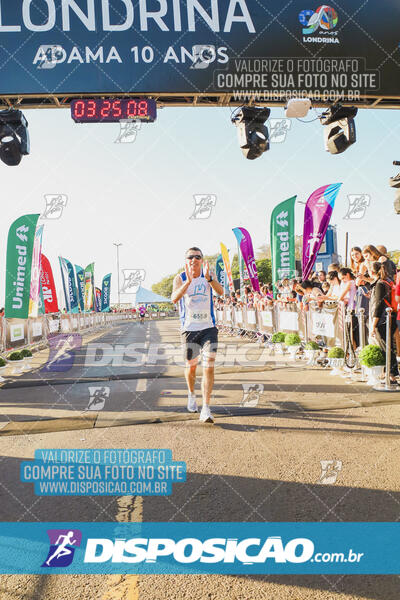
(141, 194)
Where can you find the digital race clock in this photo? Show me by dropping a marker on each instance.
(113, 110)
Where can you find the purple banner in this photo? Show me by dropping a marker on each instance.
(317, 215)
(246, 248)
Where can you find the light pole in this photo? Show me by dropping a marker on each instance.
(119, 295)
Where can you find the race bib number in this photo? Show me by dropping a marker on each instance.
(199, 317)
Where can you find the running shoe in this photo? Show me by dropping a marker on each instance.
(192, 404)
(205, 415)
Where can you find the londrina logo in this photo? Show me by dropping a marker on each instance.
(325, 17)
(62, 547)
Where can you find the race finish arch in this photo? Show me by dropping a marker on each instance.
(199, 52)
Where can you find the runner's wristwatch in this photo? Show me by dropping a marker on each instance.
(211, 279)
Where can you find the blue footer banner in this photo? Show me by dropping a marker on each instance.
(200, 548)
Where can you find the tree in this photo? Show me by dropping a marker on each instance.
(164, 287)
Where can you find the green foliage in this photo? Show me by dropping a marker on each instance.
(25, 353)
(312, 346)
(164, 287)
(15, 356)
(336, 352)
(264, 270)
(278, 338)
(371, 356)
(292, 339)
(2, 362)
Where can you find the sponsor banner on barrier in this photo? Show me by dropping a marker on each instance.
(53, 324)
(36, 329)
(289, 320)
(239, 317)
(200, 548)
(323, 324)
(16, 332)
(251, 317)
(267, 318)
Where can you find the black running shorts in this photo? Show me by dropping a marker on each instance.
(194, 342)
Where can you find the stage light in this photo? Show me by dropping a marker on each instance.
(14, 137)
(339, 128)
(253, 135)
(297, 108)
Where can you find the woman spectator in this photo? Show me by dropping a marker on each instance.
(381, 294)
(390, 267)
(371, 255)
(348, 294)
(334, 283)
(357, 262)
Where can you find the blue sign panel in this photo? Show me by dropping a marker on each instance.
(199, 46)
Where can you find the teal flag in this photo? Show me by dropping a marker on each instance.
(68, 280)
(105, 293)
(80, 280)
(283, 241)
(21, 237)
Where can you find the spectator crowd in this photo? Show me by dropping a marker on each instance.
(371, 282)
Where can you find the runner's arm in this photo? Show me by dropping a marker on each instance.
(217, 287)
(179, 289)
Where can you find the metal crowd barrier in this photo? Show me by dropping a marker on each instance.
(316, 321)
(18, 333)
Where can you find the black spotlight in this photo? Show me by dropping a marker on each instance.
(252, 133)
(394, 182)
(340, 128)
(14, 137)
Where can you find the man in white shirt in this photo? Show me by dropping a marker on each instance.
(193, 289)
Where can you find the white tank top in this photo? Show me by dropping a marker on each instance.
(196, 307)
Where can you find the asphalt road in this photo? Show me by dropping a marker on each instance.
(260, 462)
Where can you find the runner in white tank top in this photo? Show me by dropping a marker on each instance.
(193, 290)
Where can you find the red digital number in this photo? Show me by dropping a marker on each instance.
(116, 108)
(105, 111)
(143, 108)
(131, 110)
(79, 109)
(91, 109)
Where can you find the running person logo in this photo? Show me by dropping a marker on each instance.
(62, 352)
(203, 205)
(133, 279)
(55, 204)
(252, 393)
(98, 397)
(63, 543)
(329, 471)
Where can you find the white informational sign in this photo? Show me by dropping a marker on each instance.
(228, 314)
(37, 329)
(239, 317)
(251, 317)
(289, 321)
(220, 315)
(16, 333)
(54, 325)
(266, 317)
(322, 324)
(74, 323)
(65, 325)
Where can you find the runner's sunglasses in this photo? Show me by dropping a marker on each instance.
(196, 256)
